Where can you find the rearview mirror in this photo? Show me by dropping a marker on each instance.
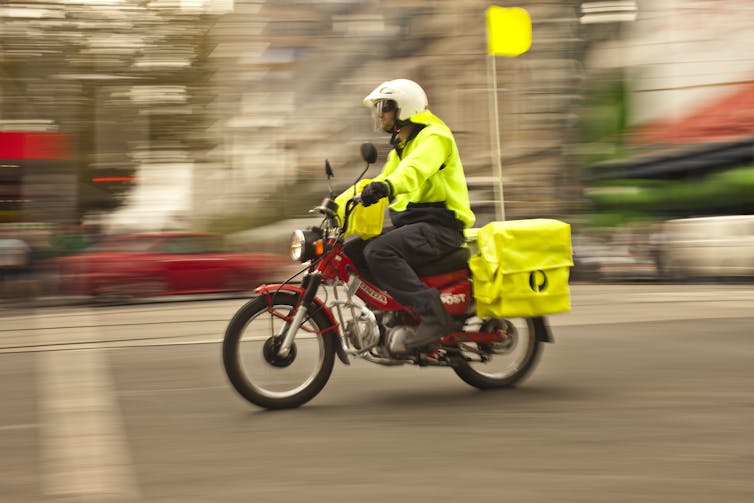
(368, 152)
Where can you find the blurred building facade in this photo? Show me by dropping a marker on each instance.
(688, 142)
(185, 111)
(291, 77)
(121, 79)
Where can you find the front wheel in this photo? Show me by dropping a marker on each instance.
(506, 363)
(258, 372)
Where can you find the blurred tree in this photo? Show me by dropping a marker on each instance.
(604, 119)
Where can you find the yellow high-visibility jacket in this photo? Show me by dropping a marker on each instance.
(426, 178)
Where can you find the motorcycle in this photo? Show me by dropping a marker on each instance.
(279, 348)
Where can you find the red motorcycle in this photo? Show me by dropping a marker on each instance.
(279, 349)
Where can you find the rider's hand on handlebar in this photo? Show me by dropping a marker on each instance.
(373, 192)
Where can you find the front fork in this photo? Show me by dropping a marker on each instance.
(288, 333)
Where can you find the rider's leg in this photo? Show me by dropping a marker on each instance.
(390, 258)
(354, 249)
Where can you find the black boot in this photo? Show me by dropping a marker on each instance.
(434, 325)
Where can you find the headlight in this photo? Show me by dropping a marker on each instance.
(306, 244)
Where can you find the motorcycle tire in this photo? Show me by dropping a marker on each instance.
(529, 347)
(255, 370)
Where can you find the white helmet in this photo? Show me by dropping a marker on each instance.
(409, 97)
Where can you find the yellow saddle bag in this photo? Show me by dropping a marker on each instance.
(363, 222)
(521, 268)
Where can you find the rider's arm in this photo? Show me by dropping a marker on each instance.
(423, 161)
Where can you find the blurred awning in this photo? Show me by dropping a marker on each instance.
(729, 118)
(681, 162)
(715, 137)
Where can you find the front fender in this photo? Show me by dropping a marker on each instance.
(269, 291)
(274, 287)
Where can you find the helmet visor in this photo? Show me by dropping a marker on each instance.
(380, 108)
(384, 106)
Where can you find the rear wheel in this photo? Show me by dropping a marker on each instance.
(505, 363)
(258, 372)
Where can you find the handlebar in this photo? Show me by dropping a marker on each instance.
(329, 209)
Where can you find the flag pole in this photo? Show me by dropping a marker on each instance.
(495, 151)
(508, 34)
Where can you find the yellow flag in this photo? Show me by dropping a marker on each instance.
(508, 31)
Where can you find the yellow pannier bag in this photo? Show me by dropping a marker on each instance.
(521, 267)
(364, 222)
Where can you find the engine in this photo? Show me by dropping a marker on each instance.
(362, 331)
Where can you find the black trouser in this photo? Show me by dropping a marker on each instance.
(387, 260)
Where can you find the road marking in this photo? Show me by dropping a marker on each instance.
(84, 449)
(100, 345)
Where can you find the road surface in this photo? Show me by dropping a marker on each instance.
(646, 395)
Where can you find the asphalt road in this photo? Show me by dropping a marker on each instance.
(646, 395)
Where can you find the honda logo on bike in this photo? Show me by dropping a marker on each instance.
(377, 296)
(538, 281)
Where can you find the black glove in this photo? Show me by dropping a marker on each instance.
(373, 192)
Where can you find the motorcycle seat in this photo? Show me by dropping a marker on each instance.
(453, 261)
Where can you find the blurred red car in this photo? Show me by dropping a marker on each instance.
(159, 264)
